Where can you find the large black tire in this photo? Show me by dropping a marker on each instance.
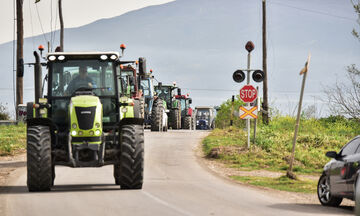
(39, 168)
(324, 195)
(157, 115)
(187, 123)
(130, 172)
(176, 117)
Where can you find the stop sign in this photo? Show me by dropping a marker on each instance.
(248, 93)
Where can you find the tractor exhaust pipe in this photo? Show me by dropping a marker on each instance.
(37, 79)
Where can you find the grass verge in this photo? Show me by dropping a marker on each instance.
(12, 139)
(282, 183)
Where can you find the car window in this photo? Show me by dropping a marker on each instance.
(351, 147)
(358, 148)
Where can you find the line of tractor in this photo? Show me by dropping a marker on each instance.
(90, 110)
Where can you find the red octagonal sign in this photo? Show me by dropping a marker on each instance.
(248, 93)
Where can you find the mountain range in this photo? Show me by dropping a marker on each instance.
(200, 43)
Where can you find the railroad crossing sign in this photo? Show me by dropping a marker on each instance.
(248, 93)
(248, 112)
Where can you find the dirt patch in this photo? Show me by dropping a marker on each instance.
(9, 164)
(225, 172)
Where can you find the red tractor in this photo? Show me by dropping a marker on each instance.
(187, 118)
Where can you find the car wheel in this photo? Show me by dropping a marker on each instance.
(324, 195)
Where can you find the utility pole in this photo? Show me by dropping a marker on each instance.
(19, 54)
(61, 28)
(303, 72)
(265, 105)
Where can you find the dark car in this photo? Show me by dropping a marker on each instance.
(340, 175)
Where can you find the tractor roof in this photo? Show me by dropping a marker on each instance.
(81, 55)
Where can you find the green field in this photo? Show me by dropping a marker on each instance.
(12, 139)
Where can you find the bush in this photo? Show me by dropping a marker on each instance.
(4, 115)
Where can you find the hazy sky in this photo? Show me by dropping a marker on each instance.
(81, 12)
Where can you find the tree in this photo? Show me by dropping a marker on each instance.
(344, 99)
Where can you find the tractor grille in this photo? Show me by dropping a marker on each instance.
(85, 117)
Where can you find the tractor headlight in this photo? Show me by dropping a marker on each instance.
(113, 57)
(103, 57)
(97, 125)
(124, 110)
(52, 58)
(61, 58)
(97, 132)
(91, 133)
(74, 125)
(73, 133)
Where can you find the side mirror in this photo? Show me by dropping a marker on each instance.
(331, 154)
(179, 91)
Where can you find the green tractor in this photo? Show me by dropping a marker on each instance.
(167, 93)
(86, 119)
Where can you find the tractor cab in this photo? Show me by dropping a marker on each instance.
(167, 93)
(90, 74)
(129, 81)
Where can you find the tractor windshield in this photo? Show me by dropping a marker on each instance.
(69, 76)
(145, 86)
(203, 114)
(128, 81)
(164, 93)
(183, 104)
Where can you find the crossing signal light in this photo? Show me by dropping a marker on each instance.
(258, 76)
(239, 76)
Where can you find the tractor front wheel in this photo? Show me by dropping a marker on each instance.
(40, 172)
(187, 123)
(130, 172)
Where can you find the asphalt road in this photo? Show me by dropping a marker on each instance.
(175, 184)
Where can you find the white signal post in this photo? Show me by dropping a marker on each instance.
(248, 104)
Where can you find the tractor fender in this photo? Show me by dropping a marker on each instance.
(131, 121)
(40, 121)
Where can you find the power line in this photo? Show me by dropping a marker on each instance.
(32, 26)
(313, 11)
(56, 17)
(51, 18)
(42, 29)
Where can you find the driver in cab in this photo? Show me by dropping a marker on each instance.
(83, 80)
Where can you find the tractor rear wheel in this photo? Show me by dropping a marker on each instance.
(130, 172)
(176, 117)
(39, 168)
(187, 122)
(157, 116)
